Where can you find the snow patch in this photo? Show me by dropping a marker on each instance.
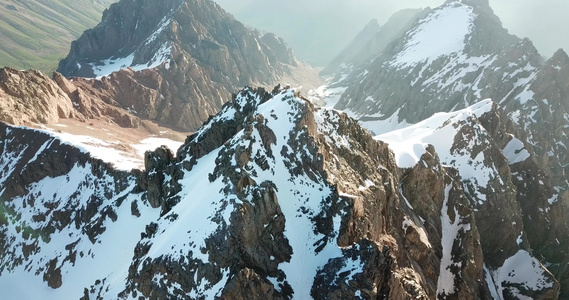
(442, 32)
(524, 270)
(515, 151)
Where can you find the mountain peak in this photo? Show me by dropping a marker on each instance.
(372, 24)
(190, 54)
(560, 55)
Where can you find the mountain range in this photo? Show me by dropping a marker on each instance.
(431, 166)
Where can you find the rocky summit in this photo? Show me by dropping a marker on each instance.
(278, 199)
(188, 56)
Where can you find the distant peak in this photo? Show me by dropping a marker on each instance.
(478, 3)
(560, 55)
(372, 24)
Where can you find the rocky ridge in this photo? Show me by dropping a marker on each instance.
(227, 216)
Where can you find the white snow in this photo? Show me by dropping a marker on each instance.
(107, 151)
(450, 232)
(324, 119)
(110, 65)
(491, 284)
(515, 151)
(201, 200)
(350, 267)
(409, 143)
(378, 127)
(521, 269)
(326, 95)
(442, 32)
(151, 143)
(8, 159)
(113, 64)
(162, 55)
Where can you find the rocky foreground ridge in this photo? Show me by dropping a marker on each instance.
(278, 199)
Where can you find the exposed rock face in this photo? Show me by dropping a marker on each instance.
(273, 198)
(195, 54)
(187, 57)
(31, 97)
(57, 203)
(475, 63)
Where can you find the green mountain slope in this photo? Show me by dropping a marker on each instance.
(37, 33)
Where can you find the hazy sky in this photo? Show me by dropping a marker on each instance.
(317, 30)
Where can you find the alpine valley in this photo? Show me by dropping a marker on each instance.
(431, 165)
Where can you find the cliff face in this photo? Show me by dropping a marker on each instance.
(275, 198)
(190, 56)
(453, 57)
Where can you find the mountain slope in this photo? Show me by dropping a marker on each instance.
(274, 198)
(452, 55)
(35, 35)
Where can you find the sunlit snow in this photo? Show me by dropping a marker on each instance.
(442, 32)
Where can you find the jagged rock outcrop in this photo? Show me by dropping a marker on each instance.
(189, 56)
(467, 57)
(275, 198)
(180, 61)
(497, 172)
(57, 205)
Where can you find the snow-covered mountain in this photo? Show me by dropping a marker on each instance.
(452, 58)
(189, 57)
(275, 198)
